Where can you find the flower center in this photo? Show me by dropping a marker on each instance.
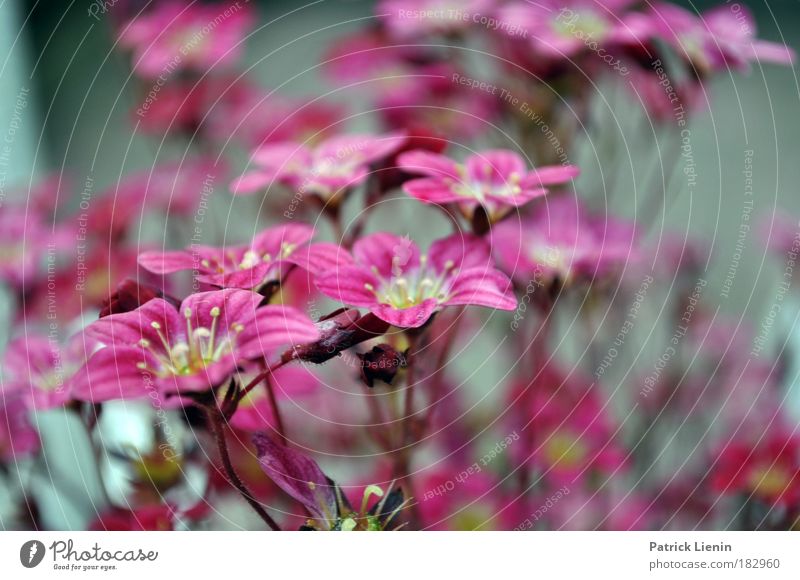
(584, 25)
(563, 450)
(414, 287)
(769, 481)
(200, 347)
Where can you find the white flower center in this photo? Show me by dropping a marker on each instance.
(414, 287)
(200, 347)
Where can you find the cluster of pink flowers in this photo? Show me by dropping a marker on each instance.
(320, 329)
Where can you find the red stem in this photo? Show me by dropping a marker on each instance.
(216, 421)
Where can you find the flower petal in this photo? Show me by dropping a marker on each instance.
(111, 373)
(412, 317)
(166, 262)
(321, 257)
(482, 287)
(549, 175)
(388, 253)
(430, 164)
(432, 190)
(275, 326)
(299, 476)
(495, 167)
(151, 321)
(463, 250)
(275, 241)
(349, 286)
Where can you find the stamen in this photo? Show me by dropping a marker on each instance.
(187, 314)
(214, 316)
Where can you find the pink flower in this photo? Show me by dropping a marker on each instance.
(17, 437)
(426, 98)
(561, 241)
(410, 18)
(335, 165)
(255, 117)
(460, 498)
(768, 470)
(369, 55)
(558, 29)
(387, 274)
(572, 434)
(23, 243)
(717, 38)
(192, 348)
(251, 267)
(582, 508)
(497, 180)
(176, 36)
(39, 369)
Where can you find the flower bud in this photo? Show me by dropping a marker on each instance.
(381, 363)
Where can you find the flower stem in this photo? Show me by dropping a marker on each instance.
(260, 377)
(216, 421)
(276, 411)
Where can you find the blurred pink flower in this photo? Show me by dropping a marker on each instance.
(250, 266)
(559, 240)
(39, 368)
(767, 470)
(562, 29)
(18, 438)
(387, 274)
(176, 35)
(335, 165)
(717, 38)
(428, 98)
(497, 180)
(463, 499)
(414, 18)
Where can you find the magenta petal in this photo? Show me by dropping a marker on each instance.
(298, 476)
(128, 328)
(359, 148)
(252, 182)
(349, 286)
(166, 262)
(111, 373)
(322, 257)
(772, 52)
(273, 240)
(283, 157)
(412, 317)
(430, 164)
(432, 190)
(463, 250)
(517, 200)
(244, 279)
(495, 166)
(275, 326)
(482, 287)
(550, 175)
(388, 253)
